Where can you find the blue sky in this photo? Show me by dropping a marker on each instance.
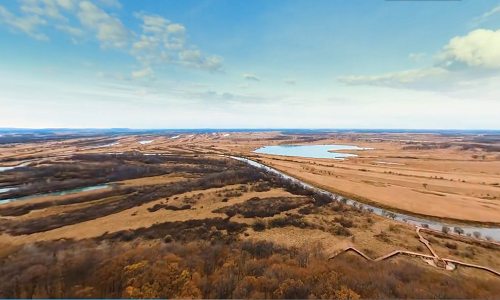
(250, 64)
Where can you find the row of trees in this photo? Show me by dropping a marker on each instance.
(244, 270)
(460, 231)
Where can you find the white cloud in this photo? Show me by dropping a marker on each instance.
(143, 73)
(171, 46)
(88, 64)
(109, 30)
(141, 45)
(47, 8)
(67, 4)
(27, 24)
(153, 24)
(477, 20)
(162, 42)
(394, 79)
(291, 81)
(251, 77)
(464, 59)
(176, 28)
(175, 43)
(110, 3)
(71, 30)
(225, 97)
(190, 55)
(243, 86)
(415, 57)
(145, 91)
(199, 84)
(479, 48)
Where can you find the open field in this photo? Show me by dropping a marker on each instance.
(178, 193)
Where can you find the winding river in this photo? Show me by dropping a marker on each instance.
(60, 193)
(493, 232)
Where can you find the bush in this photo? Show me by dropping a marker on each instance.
(167, 238)
(394, 228)
(451, 245)
(259, 225)
(346, 223)
(338, 229)
(383, 236)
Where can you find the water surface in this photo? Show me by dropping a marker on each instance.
(7, 188)
(310, 151)
(3, 169)
(66, 192)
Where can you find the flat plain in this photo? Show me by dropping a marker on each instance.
(182, 186)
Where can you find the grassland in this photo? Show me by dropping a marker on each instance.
(209, 219)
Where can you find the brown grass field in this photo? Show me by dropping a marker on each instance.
(453, 180)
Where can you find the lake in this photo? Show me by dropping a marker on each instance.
(310, 151)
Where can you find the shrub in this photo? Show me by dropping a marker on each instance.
(338, 229)
(346, 223)
(259, 225)
(451, 245)
(394, 228)
(383, 236)
(167, 238)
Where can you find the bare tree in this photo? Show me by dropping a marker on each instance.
(458, 230)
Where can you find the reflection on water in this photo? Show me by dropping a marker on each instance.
(3, 169)
(311, 151)
(6, 189)
(84, 189)
(493, 232)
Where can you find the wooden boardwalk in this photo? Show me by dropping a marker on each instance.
(434, 255)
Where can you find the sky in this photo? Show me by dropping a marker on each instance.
(250, 64)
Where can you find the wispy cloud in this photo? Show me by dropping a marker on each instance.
(415, 57)
(251, 77)
(163, 42)
(291, 81)
(484, 17)
(463, 59)
(29, 25)
(200, 84)
(71, 30)
(109, 30)
(110, 3)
